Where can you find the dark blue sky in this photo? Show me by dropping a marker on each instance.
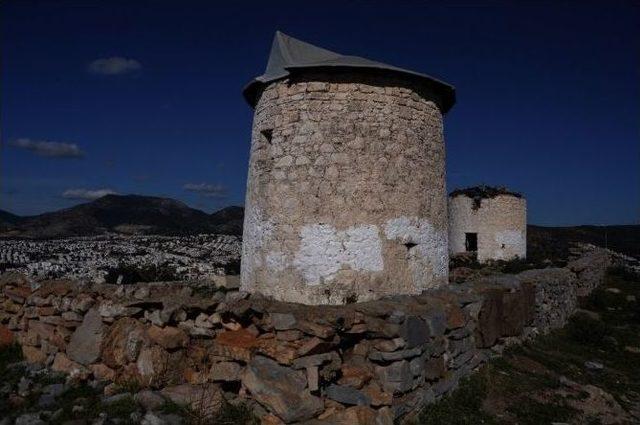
(548, 95)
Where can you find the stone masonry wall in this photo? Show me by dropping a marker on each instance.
(500, 222)
(346, 192)
(369, 362)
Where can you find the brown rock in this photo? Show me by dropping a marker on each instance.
(122, 342)
(236, 345)
(193, 376)
(169, 337)
(47, 332)
(13, 279)
(43, 330)
(225, 371)
(314, 346)
(33, 355)
(11, 307)
(30, 337)
(357, 415)
(18, 293)
(316, 329)
(355, 376)
(270, 419)
(62, 363)
(6, 336)
(16, 401)
(151, 365)
(358, 328)
(53, 320)
(434, 368)
(361, 349)
(313, 378)
(103, 372)
(389, 345)
(377, 396)
(282, 352)
(281, 389)
(240, 338)
(82, 303)
(30, 313)
(206, 400)
(316, 360)
(72, 316)
(456, 317)
(290, 335)
(45, 311)
(58, 288)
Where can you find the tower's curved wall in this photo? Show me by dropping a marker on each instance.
(499, 222)
(346, 195)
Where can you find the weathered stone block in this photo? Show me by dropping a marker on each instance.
(281, 390)
(86, 342)
(347, 395)
(396, 377)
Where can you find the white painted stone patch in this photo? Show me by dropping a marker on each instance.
(324, 250)
(512, 240)
(429, 258)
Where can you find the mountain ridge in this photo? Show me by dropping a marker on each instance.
(138, 214)
(124, 214)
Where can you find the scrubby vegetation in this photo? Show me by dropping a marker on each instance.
(478, 193)
(586, 373)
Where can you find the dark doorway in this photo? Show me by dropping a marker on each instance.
(471, 242)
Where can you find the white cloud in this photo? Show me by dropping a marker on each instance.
(114, 66)
(87, 194)
(206, 189)
(48, 149)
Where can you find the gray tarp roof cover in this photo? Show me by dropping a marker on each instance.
(288, 53)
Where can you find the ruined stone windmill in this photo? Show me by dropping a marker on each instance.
(346, 197)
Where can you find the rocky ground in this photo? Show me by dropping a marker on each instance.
(585, 373)
(33, 395)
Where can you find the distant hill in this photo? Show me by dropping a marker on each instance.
(131, 214)
(124, 214)
(7, 219)
(553, 242)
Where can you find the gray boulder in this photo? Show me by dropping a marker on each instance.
(86, 341)
(347, 395)
(281, 390)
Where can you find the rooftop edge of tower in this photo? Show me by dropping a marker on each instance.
(289, 55)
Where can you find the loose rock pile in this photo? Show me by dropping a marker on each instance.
(363, 363)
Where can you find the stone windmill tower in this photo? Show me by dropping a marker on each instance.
(487, 222)
(346, 197)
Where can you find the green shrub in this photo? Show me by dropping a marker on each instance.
(462, 407)
(532, 412)
(623, 273)
(586, 330)
(9, 354)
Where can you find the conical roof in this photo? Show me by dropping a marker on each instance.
(288, 54)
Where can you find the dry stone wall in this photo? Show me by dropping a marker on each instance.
(369, 362)
(346, 192)
(499, 222)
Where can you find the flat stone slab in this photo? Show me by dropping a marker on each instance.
(86, 341)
